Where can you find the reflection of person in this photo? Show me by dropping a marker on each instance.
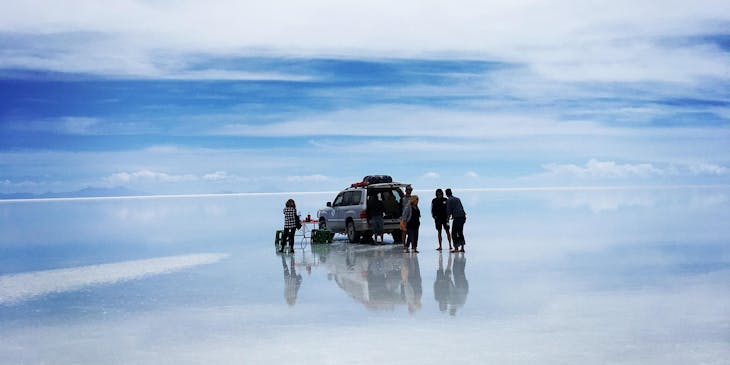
(460, 289)
(456, 211)
(412, 217)
(292, 281)
(442, 285)
(404, 202)
(375, 210)
(411, 288)
(440, 216)
(290, 225)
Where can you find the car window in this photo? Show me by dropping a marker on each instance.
(351, 198)
(338, 200)
(356, 198)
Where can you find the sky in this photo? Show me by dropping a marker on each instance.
(187, 97)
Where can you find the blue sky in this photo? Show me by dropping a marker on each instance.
(204, 97)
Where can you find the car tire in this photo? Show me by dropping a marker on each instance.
(322, 223)
(352, 235)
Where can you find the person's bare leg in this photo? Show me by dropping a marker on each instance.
(448, 236)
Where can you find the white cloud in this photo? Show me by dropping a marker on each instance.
(77, 125)
(431, 175)
(603, 169)
(124, 178)
(216, 176)
(566, 40)
(709, 169)
(471, 174)
(419, 121)
(62, 125)
(9, 186)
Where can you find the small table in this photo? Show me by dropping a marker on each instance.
(306, 231)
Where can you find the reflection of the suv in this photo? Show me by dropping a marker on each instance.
(347, 213)
(381, 278)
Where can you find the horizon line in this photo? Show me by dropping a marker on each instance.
(495, 189)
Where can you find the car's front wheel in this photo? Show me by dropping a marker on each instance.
(322, 223)
(352, 234)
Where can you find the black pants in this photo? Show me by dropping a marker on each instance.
(457, 232)
(288, 237)
(412, 237)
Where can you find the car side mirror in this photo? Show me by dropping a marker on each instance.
(329, 204)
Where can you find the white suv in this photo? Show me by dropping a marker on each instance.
(347, 213)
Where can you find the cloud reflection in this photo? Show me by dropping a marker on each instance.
(15, 288)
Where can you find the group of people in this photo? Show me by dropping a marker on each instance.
(442, 210)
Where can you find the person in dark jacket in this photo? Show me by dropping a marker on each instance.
(375, 210)
(456, 211)
(441, 217)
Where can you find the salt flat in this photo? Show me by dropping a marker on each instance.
(565, 276)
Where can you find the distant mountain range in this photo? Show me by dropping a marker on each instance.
(88, 192)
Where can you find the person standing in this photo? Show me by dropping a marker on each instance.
(290, 225)
(404, 202)
(440, 216)
(455, 210)
(412, 217)
(375, 210)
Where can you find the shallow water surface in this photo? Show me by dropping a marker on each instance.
(564, 277)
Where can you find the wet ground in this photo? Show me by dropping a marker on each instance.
(627, 276)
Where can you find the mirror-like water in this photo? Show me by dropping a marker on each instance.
(604, 276)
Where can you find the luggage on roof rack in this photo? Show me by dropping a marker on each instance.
(373, 179)
(377, 179)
